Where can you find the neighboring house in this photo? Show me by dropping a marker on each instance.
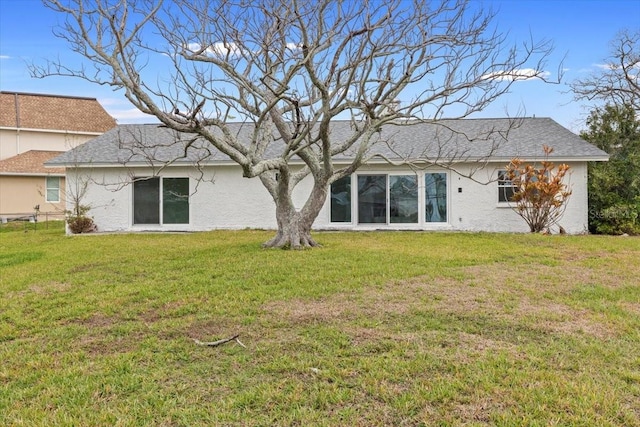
(33, 129)
(128, 192)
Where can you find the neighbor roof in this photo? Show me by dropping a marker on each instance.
(30, 163)
(53, 112)
(445, 140)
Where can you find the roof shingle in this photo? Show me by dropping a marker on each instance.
(53, 112)
(30, 163)
(445, 140)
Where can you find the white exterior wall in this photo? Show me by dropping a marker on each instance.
(472, 206)
(234, 202)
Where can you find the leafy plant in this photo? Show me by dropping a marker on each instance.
(614, 186)
(540, 195)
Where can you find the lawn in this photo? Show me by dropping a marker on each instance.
(388, 328)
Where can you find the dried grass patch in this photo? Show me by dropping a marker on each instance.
(498, 291)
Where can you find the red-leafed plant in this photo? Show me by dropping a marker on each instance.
(540, 193)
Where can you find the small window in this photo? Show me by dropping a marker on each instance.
(506, 189)
(52, 193)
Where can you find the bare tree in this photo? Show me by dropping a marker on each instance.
(618, 82)
(290, 67)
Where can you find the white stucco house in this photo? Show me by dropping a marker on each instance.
(204, 190)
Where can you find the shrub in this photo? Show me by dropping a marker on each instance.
(539, 195)
(79, 222)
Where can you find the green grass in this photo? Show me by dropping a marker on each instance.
(372, 329)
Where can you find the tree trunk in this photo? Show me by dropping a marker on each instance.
(294, 227)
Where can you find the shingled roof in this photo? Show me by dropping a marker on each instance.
(53, 112)
(30, 163)
(454, 140)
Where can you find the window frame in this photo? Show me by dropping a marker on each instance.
(48, 188)
(504, 184)
(446, 197)
(161, 201)
(348, 178)
(421, 222)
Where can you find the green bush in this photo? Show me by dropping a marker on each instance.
(618, 219)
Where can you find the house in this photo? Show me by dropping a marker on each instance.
(131, 188)
(33, 129)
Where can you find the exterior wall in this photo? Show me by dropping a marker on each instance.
(19, 195)
(474, 206)
(223, 199)
(14, 142)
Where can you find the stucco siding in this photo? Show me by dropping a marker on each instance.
(14, 142)
(20, 194)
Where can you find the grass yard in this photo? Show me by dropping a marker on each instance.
(393, 329)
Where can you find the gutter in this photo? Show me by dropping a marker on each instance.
(71, 132)
(336, 162)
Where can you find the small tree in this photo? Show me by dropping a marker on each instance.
(540, 195)
(78, 219)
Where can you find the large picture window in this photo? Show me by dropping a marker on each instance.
(435, 197)
(391, 199)
(341, 200)
(52, 191)
(161, 201)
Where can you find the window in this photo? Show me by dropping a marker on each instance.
(161, 201)
(341, 200)
(52, 192)
(372, 199)
(401, 192)
(435, 197)
(506, 188)
(403, 199)
(390, 199)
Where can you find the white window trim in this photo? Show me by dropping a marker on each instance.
(47, 188)
(421, 223)
(161, 225)
(500, 203)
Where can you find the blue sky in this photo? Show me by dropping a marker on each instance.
(580, 30)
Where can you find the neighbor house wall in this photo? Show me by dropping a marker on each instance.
(15, 141)
(20, 194)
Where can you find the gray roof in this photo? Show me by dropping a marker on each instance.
(443, 140)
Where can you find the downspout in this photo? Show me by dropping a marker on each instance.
(17, 106)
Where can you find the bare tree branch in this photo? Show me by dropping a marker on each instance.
(618, 81)
(290, 69)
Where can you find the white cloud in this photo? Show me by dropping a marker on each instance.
(605, 66)
(217, 49)
(132, 115)
(519, 75)
(5, 57)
